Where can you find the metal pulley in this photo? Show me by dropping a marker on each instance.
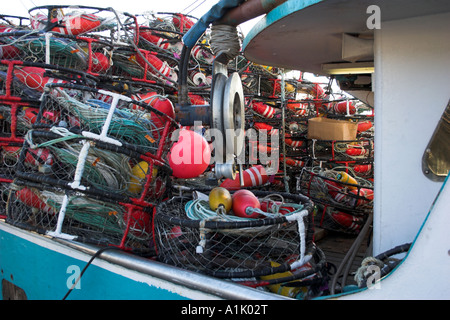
(228, 117)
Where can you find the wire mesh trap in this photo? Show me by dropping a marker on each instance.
(90, 219)
(83, 171)
(231, 247)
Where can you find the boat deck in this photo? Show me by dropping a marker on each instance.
(336, 245)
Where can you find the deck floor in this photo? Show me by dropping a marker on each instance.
(336, 245)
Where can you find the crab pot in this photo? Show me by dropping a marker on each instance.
(84, 110)
(94, 168)
(338, 220)
(89, 219)
(235, 248)
(352, 194)
(144, 66)
(340, 150)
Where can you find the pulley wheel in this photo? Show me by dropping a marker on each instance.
(234, 115)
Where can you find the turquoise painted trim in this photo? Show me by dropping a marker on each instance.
(276, 14)
(404, 259)
(43, 275)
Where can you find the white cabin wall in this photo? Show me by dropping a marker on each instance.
(412, 88)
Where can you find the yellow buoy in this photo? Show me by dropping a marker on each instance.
(220, 197)
(138, 173)
(291, 292)
(346, 178)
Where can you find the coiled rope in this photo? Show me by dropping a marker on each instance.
(225, 41)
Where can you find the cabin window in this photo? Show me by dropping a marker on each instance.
(436, 158)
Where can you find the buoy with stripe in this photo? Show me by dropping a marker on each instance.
(71, 24)
(34, 77)
(261, 126)
(292, 143)
(198, 78)
(355, 198)
(276, 206)
(254, 176)
(31, 199)
(341, 107)
(292, 162)
(347, 221)
(182, 22)
(297, 107)
(160, 42)
(196, 99)
(362, 168)
(202, 55)
(162, 66)
(34, 157)
(263, 109)
(318, 91)
(356, 151)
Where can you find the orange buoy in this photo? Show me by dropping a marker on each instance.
(254, 176)
(341, 107)
(242, 200)
(189, 157)
(292, 162)
(263, 109)
(297, 107)
(362, 168)
(292, 143)
(182, 22)
(203, 55)
(160, 42)
(347, 220)
(74, 25)
(31, 199)
(161, 66)
(356, 151)
(140, 224)
(267, 206)
(34, 78)
(100, 62)
(364, 126)
(196, 99)
(261, 126)
(165, 106)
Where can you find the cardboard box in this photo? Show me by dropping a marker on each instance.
(330, 129)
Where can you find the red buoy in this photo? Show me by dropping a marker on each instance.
(189, 157)
(243, 199)
(254, 176)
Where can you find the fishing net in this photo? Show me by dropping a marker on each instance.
(191, 236)
(89, 219)
(94, 177)
(360, 150)
(343, 206)
(144, 66)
